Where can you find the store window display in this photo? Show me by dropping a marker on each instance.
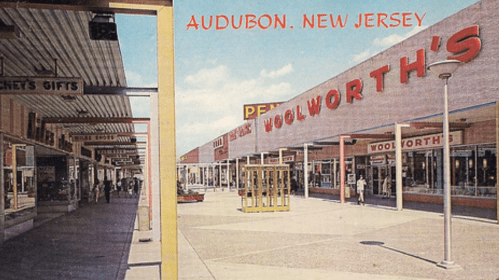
(19, 183)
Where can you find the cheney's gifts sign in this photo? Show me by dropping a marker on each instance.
(36, 85)
(420, 142)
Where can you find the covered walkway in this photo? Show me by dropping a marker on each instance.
(90, 243)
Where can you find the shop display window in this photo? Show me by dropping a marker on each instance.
(19, 183)
(52, 177)
(473, 171)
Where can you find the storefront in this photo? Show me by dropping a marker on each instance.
(347, 126)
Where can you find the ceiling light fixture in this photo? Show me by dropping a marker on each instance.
(68, 98)
(9, 31)
(103, 27)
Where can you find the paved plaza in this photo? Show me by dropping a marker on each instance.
(324, 239)
(319, 238)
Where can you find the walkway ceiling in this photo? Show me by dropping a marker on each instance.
(56, 43)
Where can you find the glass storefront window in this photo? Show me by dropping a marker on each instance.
(19, 172)
(473, 171)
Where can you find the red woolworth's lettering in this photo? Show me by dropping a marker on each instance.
(299, 115)
(333, 94)
(418, 65)
(379, 76)
(435, 43)
(354, 88)
(289, 116)
(268, 125)
(314, 106)
(465, 44)
(278, 121)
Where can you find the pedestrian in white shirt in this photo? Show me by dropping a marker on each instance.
(361, 184)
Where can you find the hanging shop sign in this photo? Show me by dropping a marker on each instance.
(95, 138)
(240, 132)
(118, 156)
(36, 85)
(420, 142)
(252, 111)
(117, 151)
(8, 157)
(284, 159)
(463, 45)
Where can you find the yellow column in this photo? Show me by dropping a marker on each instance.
(166, 116)
(497, 158)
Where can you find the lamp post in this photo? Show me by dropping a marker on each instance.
(444, 70)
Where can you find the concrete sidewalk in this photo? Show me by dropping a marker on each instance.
(92, 242)
(324, 239)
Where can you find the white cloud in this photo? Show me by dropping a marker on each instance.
(210, 102)
(277, 73)
(137, 80)
(361, 57)
(386, 42)
(395, 38)
(208, 77)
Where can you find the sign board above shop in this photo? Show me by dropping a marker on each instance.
(95, 138)
(117, 151)
(420, 142)
(37, 85)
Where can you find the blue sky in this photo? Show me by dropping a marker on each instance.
(218, 71)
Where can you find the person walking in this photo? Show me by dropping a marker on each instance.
(96, 191)
(294, 185)
(385, 188)
(136, 187)
(107, 190)
(118, 187)
(361, 185)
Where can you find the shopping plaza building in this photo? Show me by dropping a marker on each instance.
(354, 123)
(66, 124)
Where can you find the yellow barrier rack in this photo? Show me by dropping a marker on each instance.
(266, 188)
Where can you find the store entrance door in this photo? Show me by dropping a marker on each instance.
(377, 174)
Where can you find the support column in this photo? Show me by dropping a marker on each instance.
(398, 162)
(305, 169)
(228, 173)
(166, 116)
(334, 174)
(2, 193)
(280, 154)
(237, 173)
(213, 176)
(220, 174)
(187, 173)
(342, 168)
(14, 176)
(497, 158)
